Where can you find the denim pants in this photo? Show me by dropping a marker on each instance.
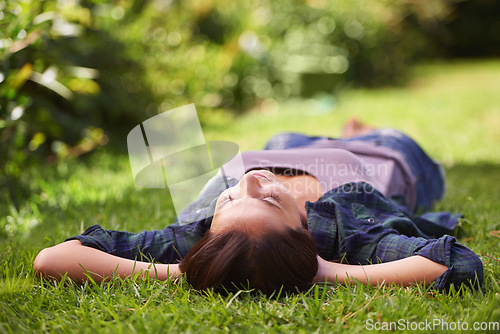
(430, 185)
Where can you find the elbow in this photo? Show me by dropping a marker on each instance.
(39, 265)
(44, 263)
(52, 262)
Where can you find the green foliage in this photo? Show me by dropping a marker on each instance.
(45, 96)
(468, 28)
(67, 197)
(73, 73)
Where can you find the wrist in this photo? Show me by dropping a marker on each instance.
(173, 270)
(324, 271)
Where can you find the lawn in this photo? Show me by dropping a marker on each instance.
(452, 110)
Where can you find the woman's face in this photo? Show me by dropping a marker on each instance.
(258, 203)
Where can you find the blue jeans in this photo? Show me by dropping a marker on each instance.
(429, 174)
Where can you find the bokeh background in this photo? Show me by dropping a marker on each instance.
(76, 75)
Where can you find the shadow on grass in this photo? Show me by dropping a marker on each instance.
(478, 182)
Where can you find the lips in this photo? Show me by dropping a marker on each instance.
(257, 174)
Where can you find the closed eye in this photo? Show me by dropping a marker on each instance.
(274, 196)
(263, 197)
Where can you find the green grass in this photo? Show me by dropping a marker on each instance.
(453, 110)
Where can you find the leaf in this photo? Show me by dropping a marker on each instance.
(53, 85)
(495, 233)
(18, 79)
(19, 45)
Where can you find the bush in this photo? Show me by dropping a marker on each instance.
(47, 96)
(74, 72)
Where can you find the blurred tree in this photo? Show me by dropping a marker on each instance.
(463, 28)
(51, 78)
(72, 72)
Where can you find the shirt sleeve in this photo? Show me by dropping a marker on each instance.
(464, 267)
(169, 245)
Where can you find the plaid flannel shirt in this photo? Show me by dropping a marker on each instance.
(353, 223)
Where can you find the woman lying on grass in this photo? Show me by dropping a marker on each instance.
(308, 209)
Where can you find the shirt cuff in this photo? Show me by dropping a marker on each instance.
(464, 267)
(96, 237)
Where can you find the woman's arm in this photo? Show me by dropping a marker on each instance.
(78, 261)
(405, 272)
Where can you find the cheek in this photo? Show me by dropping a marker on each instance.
(221, 198)
(282, 189)
(224, 195)
(288, 201)
(285, 192)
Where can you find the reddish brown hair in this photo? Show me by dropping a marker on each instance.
(269, 262)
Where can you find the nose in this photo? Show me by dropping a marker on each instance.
(251, 185)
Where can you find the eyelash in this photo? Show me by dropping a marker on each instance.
(274, 196)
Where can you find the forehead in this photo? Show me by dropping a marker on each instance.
(251, 215)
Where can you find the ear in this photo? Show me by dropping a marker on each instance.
(304, 224)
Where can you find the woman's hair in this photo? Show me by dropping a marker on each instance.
(268, 262)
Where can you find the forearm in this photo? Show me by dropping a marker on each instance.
(411, 270)
(79, 262)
